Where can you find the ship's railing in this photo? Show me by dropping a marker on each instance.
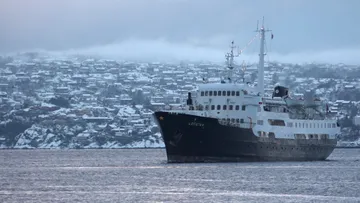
(235, 124)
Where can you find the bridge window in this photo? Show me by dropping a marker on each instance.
(224, 93)
(333, 125)
(210, 93)
(289, 124)
(206, 93)
(260, 122)
(228, 93)
(218, 107)
(329, 125)
(233, 120)
(237, 120)
(224, 107)
(237, 107)
(219, 93)
(232, 93)
(202, 93)
(276, 122)
(230, 107)
(295, 125)
(242, 120)
(212, 107)
(207, 107)
(243, 107)
(237, 93)
(215, 93)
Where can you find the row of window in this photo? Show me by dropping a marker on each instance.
(275, 109)
(272, 122)
(276, 122)
(314, 125)
(297, 136)
(222, 93)
(225, 107)
(233, 120)
(264, 134)
(312, 136)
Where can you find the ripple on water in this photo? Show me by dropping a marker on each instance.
(142, 175)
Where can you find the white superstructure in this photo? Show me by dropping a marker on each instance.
(245, 106)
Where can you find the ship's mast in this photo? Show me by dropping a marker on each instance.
(230, 62)
(260, 84)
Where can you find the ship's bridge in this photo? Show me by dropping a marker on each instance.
(212, 87)
(226, 101)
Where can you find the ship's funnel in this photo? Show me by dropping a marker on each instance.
(280, 91)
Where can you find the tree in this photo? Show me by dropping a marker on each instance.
(60, 101)
(288, 81)
(147, 103)
(27, 103)
(138, 97)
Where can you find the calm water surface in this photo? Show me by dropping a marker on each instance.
(142, 175)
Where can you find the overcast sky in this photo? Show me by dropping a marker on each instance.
(304, 30)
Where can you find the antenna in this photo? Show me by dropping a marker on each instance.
(230, 61)
(262, 32)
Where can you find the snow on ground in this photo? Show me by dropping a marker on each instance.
(348, 144)
(92, 146)
(126, 111)
(51, 145)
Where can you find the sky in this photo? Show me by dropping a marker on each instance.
(304, 30)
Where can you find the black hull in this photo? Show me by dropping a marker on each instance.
(190, 138)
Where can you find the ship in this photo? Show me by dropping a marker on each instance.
(234, 121)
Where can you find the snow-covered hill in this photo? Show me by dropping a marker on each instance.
(82, 102)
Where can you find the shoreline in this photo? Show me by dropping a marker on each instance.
(340, 147)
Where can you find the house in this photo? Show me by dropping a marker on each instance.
(356, 120)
